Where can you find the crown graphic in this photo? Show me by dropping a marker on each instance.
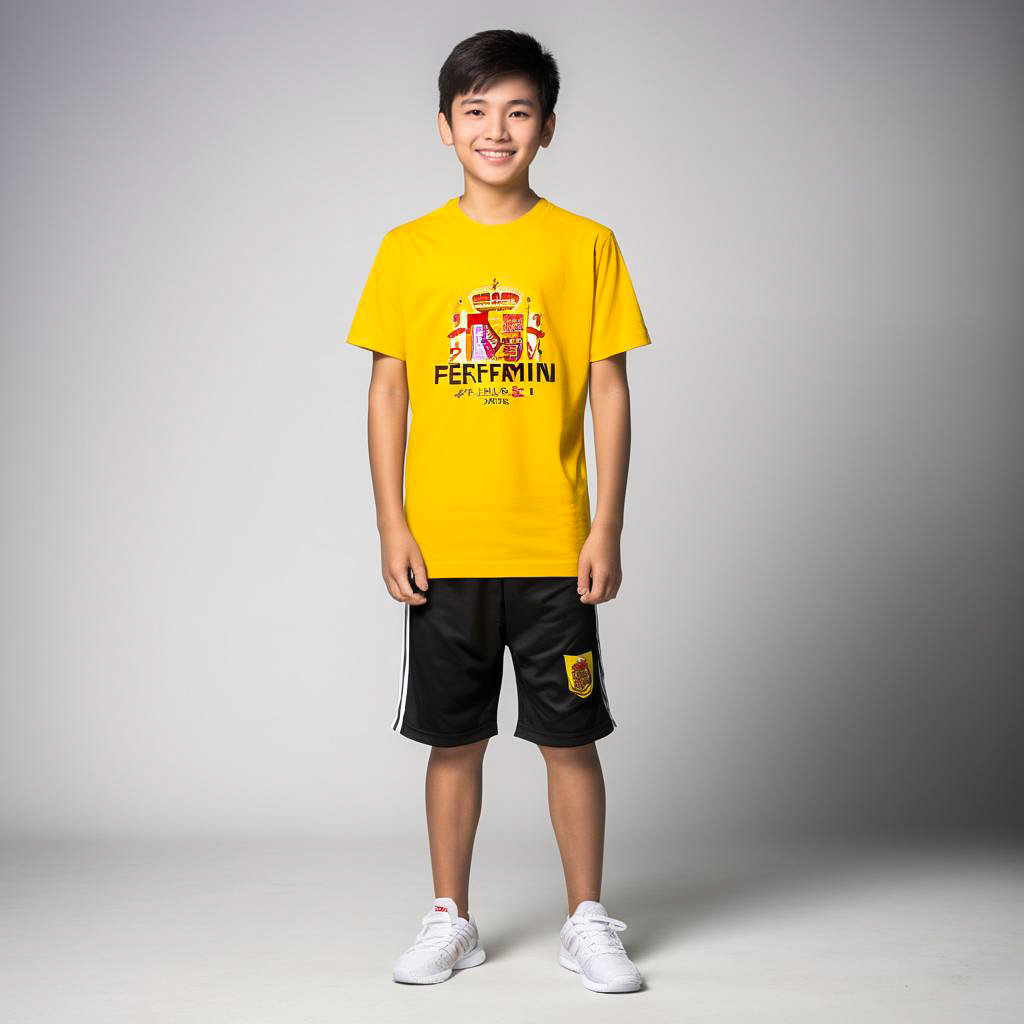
(495, 299)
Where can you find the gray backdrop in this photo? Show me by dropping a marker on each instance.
(818, 628)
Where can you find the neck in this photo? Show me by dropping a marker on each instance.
(490, 204)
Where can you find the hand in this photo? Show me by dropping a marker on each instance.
(600, 566)
(399, 556)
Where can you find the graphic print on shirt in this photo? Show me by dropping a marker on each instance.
(580, 670)
(496, 348)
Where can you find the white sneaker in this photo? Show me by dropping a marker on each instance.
(445, 943)
(591, 948)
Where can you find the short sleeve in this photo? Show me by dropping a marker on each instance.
(617, 324)
(377, 323)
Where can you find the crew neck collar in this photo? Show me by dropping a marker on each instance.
(457, 214)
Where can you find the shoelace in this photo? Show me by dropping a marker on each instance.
(599, 932)
(436, 930)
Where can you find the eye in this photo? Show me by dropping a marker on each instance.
(515, 113)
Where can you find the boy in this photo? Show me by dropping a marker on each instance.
(490, 315)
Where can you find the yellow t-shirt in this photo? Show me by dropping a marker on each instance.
(498, 325)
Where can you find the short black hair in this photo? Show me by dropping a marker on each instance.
(481, 59)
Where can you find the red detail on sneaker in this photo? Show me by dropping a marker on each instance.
(443, 909)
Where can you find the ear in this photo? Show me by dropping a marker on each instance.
(548, 131)
(445, 129)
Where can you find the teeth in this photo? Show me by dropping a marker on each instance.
(494, 152)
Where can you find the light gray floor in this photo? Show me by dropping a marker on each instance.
(307, 931)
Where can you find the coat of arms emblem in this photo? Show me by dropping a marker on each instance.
(580, 669)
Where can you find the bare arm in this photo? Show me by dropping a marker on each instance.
(388, 413)
(600, 565)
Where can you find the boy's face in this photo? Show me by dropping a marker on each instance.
(496, 132)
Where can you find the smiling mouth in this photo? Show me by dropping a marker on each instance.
(497, 156)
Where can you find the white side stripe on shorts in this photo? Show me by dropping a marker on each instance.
(403, 679)
(600, 670)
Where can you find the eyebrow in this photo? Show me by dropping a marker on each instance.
(480, 99)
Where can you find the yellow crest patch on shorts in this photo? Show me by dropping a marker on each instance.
(580, 670)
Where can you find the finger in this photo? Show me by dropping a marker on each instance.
(392, 585)
(415, 597)
(599, 587)
(405, 591)
(414, 586)
(420, 574)
(583, 578)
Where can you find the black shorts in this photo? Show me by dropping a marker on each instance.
(453, 652)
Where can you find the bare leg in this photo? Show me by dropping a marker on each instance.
(576, 799)
(454, 792)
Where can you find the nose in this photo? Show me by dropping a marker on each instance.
(497, 130)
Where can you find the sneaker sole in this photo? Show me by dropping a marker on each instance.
(627, 985)
(473, 958)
